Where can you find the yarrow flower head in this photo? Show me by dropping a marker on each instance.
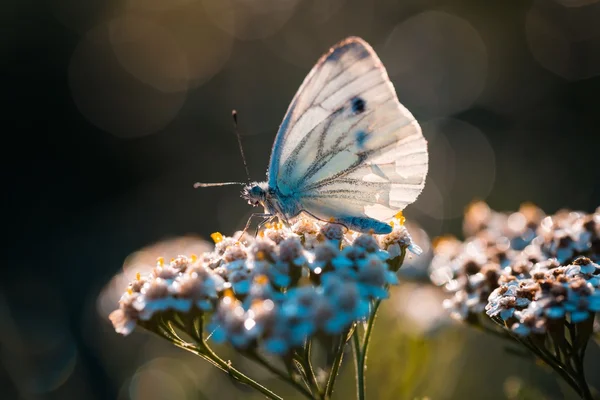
(532, 275)
(270, 297)
(512, 261)
(272, 292)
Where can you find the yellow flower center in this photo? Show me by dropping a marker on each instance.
(261, 279)
(400, 217)
(216, 237)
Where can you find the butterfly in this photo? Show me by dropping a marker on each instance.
(347, 151)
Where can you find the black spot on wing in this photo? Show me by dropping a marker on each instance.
(358, 105)
(361, 137)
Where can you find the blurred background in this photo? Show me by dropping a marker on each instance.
(115, 108)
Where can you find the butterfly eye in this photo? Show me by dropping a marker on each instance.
(358, 105)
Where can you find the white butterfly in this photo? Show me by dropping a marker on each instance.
(347, 151)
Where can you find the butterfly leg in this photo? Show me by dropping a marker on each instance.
(260, 215)
(267, 218)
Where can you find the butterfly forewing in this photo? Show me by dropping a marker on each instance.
(347, 149)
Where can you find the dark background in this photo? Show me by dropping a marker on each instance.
(113, 109)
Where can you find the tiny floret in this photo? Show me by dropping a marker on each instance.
(216, 237)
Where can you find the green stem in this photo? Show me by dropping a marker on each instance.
(206, 352)
(282, 375)
(305, 361)
(294, 366)
(360, 352)
(583, 385)
(369, 329)
(360, 375)
(166, 333)
(552, 362)
(580, 376)
(337, 362)
(310, 371)
(239, 376)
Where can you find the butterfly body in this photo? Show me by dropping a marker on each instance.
(347, 151)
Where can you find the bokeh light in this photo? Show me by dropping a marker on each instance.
(156, 5)
(38, 349)
(250, 20)
(565, 40)
(322, 10)
(575, 3)
(438, 63)
(421, 307)
(302, 47)
(204, 45)
(170, 48)
(162, 378)
(457, 149)
(111, 98)
(149, 52)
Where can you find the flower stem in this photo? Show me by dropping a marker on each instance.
(282, 375)
(203, 350)
(337, 362)
(360, 352)
(239, 376)
(178, 342)
(305, 360)
(573, 375)
(551, 361)
(580, 376)
(360, 379)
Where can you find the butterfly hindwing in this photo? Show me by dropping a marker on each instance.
(347, 150)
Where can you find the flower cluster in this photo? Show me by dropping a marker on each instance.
(529, 278)
(550, 293)
(521, 268)
(273, 291)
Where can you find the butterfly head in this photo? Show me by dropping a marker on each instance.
(255, 193)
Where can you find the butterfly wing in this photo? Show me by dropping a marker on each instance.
(347, 150)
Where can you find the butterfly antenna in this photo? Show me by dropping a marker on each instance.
(201, 185)
(239, 139)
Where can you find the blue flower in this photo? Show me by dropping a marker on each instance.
(374, 276)
(327, 255)
(227, 323)
(199, 288)
(240, 279)
(347, 303)
(277, 272)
